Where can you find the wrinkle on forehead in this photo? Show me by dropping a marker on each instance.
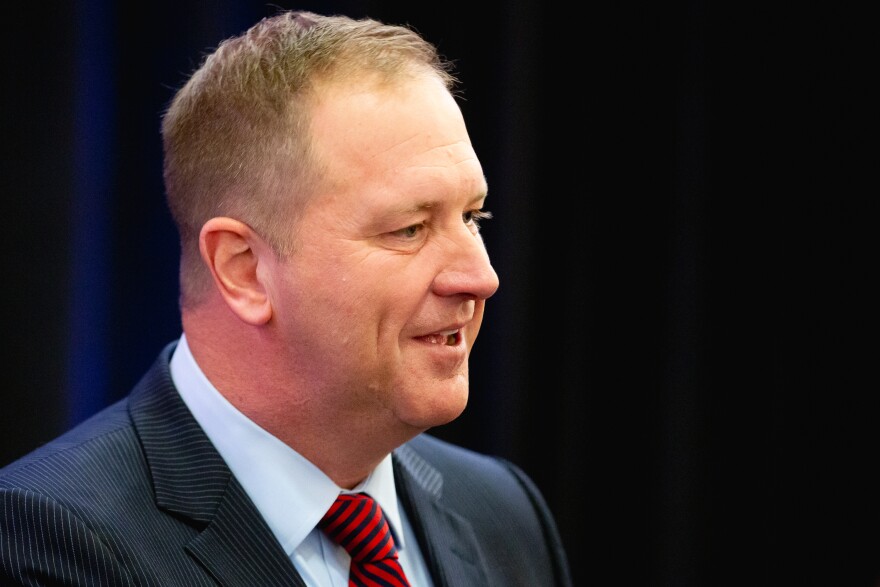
(441, 156)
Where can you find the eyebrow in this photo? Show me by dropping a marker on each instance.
(430, 204)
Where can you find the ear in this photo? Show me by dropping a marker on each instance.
(233, 252)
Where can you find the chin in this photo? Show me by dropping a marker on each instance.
(434, 410)
(442, 418)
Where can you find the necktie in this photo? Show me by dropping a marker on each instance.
(356, 523)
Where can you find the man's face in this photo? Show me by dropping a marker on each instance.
(383, 298)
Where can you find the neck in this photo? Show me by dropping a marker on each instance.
(253, 373)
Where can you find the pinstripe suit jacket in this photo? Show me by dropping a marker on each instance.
(137, 495)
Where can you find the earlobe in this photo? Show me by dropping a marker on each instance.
(232, 251)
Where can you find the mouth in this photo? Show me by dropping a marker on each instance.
(445, 337)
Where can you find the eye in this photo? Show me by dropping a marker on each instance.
(410, 232)
(474, 217)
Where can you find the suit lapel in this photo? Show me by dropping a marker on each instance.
(240, 550)
(447, 540)
(191, 480)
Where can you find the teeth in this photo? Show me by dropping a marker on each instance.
(445, 337)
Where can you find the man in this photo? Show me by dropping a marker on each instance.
(333, 280)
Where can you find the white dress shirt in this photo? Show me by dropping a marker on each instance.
(290, 492)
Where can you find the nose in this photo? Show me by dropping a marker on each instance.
(467, 270)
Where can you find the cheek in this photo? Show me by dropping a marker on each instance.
(388, 287)
(314, 298)
(353, 307)
(357, 288)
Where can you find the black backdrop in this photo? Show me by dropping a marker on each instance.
(678, 353)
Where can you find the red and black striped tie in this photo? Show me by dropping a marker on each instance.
(356, 523)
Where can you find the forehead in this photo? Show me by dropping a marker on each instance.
(413, 127)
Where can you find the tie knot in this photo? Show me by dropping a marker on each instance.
(356, 522)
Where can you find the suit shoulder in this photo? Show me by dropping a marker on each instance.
(75, 454)
(498, 500)
(442, 452)
(461, 468)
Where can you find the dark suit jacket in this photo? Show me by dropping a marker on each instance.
(137, 495)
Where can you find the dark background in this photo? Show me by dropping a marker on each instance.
(682, 351)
